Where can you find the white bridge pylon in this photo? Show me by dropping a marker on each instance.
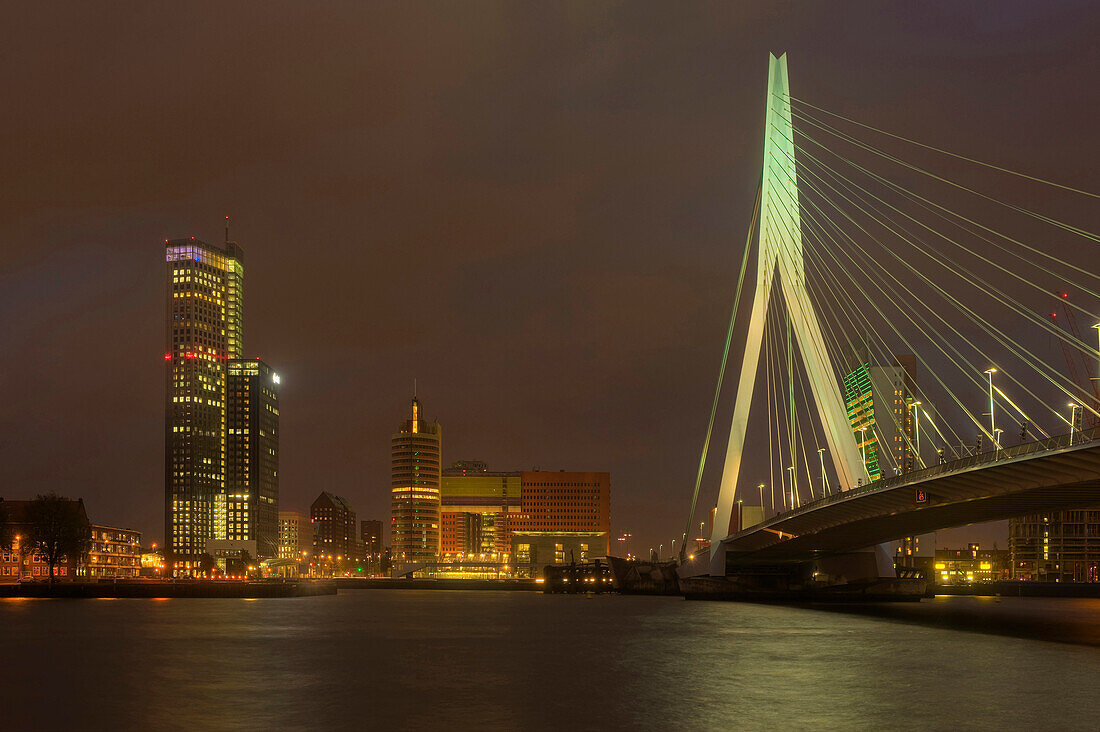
(779, 251)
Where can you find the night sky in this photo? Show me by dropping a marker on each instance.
(536, 210)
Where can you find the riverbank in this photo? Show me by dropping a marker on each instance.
(156, 589)
(386, 583)
(1020, 589)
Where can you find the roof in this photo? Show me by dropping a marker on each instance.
(15, 511)
(335, 500)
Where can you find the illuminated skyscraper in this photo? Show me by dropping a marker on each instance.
(204, 335)
(252, 459)
(415, 452)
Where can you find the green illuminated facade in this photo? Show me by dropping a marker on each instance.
(877, 400)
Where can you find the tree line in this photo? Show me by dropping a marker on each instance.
(52, 526)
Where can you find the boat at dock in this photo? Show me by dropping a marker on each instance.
(633, 577)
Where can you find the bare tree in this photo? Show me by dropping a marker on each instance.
(57, 528)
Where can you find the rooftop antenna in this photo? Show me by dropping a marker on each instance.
(226, 229)
(414, 387)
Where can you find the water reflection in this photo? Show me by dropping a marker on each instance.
(414, 660)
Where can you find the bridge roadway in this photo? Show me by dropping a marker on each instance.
(1048, 475)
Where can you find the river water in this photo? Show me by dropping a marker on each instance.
(484, 660)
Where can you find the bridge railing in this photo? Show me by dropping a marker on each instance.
(1058, 442)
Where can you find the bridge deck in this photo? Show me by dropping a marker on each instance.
(1048, 475)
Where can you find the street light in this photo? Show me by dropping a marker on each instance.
(740, 515)
(997, 438)
(790, 470)
(992, 425)
(916, 428)
(1072, 419)
(760, 487)
(824, 479)
(863, 445)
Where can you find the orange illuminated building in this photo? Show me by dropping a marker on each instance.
(565, 501)
(482, 510)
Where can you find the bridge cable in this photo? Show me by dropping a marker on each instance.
(974, 280)
(721, 371)
(947, 152)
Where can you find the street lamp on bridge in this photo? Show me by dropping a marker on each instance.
(916, 429)
(1073, 424)
(863, 445)
(992, 425)
(824, 479)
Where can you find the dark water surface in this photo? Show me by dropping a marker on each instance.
(466, 660)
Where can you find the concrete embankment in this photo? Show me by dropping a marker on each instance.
(161, 589)
(1020, 589)
(385, 583)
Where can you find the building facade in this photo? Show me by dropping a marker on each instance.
(20, 563)
(251, 511)
(970, 565)
(532, 551)
(205, 300)
(1060, 546)
(295, 536)
(878, 400)
(333, 522)
(477, 506)
(204, 338)
(370, 532)
(483, 509)
(114, 553)
(565, 501)
(416, 454)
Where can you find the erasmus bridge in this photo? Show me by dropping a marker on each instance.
(910, 354)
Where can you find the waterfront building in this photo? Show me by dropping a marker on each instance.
(214, 480)
(18, 563)
(532, 551)
(565, 502)
(477, 505)
(1060, 546)
(252, 457)
(114, 552)
(205, 285)
(415, 450)
(966, 566)
(295, 536)
(877, 399)
(333, 521)
(483, 509)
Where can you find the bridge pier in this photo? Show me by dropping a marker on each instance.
(850, 577)
(858, 576)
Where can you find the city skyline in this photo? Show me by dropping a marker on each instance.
(521, 298)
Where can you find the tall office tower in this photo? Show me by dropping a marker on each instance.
(878, 399)
(204, 330)
(1061, 546)
(415, 452)
(251, 498)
